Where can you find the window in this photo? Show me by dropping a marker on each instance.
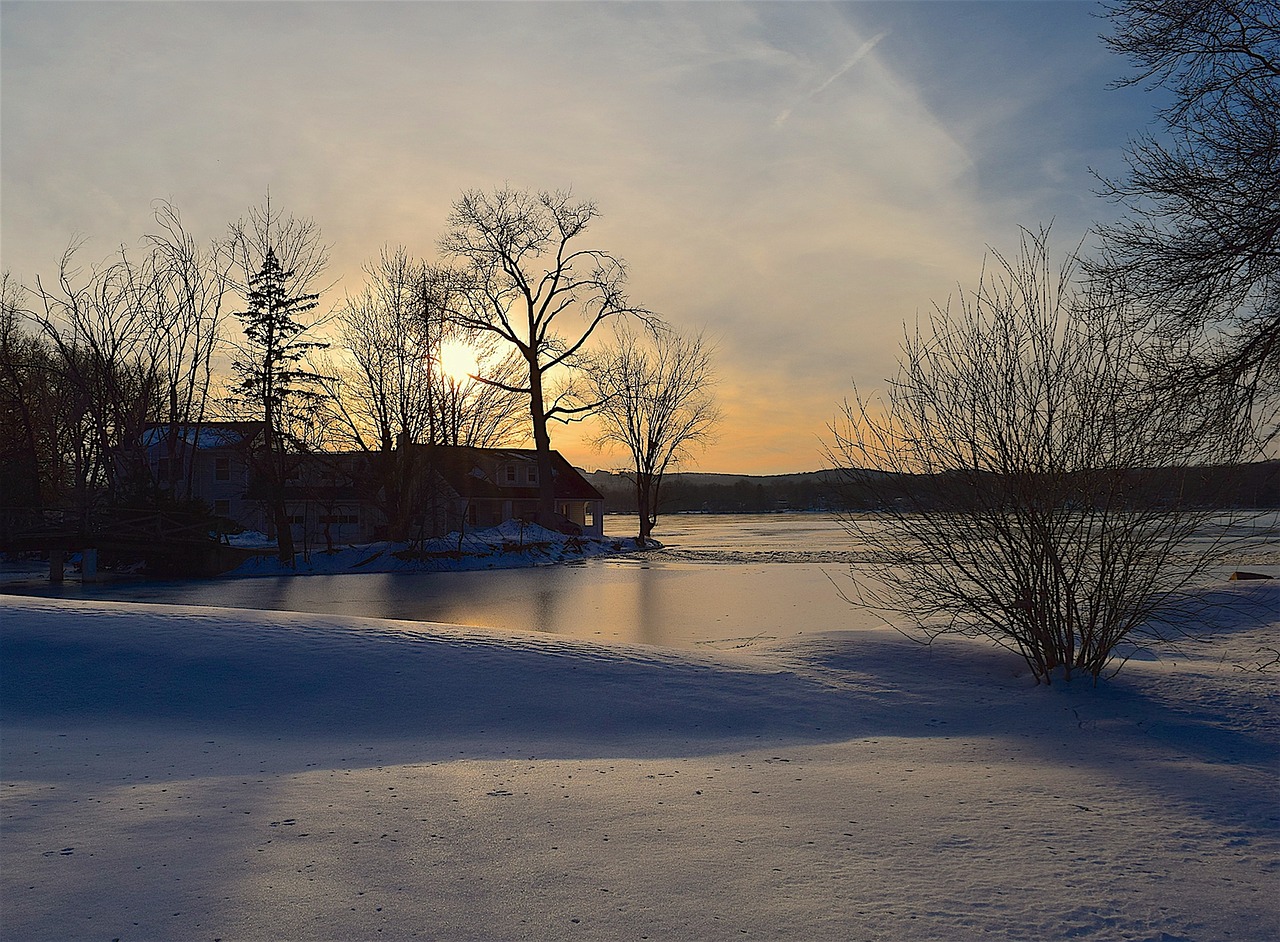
(510, 474)
(340, 519)
(222, 469)
(532, 472)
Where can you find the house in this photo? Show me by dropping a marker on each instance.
(210, 461)
(482, 487)
(331, 497)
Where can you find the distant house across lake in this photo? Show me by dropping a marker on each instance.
(336, 498)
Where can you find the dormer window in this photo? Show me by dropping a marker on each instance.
(532, 471)
(509, 474)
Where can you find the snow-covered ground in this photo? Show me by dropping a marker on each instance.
(189, 773)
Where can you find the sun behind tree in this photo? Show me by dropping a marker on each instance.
(524, 277)
(459, 361)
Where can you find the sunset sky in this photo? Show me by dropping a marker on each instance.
(796, 179)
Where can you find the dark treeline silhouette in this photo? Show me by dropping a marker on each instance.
(692, 492)
(1255, 485)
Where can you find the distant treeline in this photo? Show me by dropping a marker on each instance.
(725, 493)
(1253, 485)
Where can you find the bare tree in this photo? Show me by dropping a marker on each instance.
(188, 285)
(29, 458)
(655, 401)
(524, 279)
(98, 339)
(1027, 474)
(391, 383)
(384, 382)
(177, 291)
(135, 339)
(475, 412)
(389, 392)
(1199, 247)
(278, 258)
(380, 385)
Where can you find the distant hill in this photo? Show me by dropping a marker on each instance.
(1254, 485)
(683, 492)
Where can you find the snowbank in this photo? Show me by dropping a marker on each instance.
(176, 772)
(511, 544)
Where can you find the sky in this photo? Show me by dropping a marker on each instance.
(797, 180)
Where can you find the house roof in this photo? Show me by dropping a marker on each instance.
(203, 434)
(470, 472)
(474, 473)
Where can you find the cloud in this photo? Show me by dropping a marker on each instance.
(803, 246)
(853, 60)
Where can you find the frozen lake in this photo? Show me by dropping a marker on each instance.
(721, 581)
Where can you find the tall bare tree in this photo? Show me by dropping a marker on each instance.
(1028, 473)
(656, 401)
(188, 285)
(525, 278)
(1199, 247)
(384, 380)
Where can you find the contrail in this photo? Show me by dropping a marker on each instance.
(853, 60)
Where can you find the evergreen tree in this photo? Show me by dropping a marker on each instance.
(274, 378)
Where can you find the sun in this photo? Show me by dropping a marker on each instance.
(458, 360)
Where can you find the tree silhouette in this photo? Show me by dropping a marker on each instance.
(273, 376)
(656, 402)
(525, 279)
(1021, 467)
(1199, 247)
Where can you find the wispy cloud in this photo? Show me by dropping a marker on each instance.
(853, 60)
(804, 250)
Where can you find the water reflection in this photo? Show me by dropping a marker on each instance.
(723, 581)
(717, 584)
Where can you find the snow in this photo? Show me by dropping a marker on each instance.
(199, 436)
(198, 773)
(509, 545)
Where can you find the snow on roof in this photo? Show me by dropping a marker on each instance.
(210, 435)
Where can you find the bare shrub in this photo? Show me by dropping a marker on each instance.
(1027, 479)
